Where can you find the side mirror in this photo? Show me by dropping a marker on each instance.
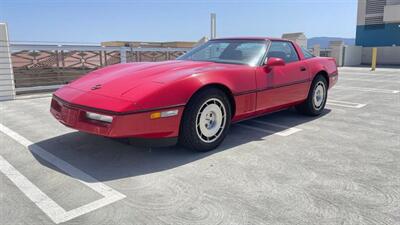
(272, 61)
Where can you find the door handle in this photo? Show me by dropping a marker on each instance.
(303, 68)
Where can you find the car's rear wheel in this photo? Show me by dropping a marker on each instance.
(206, 120)
(317, 96)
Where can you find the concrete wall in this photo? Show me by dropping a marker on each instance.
(362, 4)
(386, 56)
(7, 90)
(357, 55)
(352, 55)
(392, 14)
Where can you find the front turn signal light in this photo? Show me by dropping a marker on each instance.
(155, 115)
(164, 114)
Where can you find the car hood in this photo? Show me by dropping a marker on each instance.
(116, 80)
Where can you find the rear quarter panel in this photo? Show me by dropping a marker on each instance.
(318, 64)
(326, 64)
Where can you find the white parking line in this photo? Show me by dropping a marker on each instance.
(387, 91)
(345, 104)
(33, 96)
(30, 190)
(55, 212)
(370, 74)
(368, 80)
(286, 132)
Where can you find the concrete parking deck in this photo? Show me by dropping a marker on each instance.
(340, 168)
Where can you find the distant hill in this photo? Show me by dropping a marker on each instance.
(324, 41)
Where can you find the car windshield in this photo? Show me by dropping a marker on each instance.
(246, 52)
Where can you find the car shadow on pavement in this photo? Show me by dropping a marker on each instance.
(107, 159)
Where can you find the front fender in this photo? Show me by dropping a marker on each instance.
(179, 92)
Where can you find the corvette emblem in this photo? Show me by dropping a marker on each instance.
(97, 86)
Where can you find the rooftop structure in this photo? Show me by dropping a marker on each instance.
(378, 23)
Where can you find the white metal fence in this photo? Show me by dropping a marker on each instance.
(39, 67)
(34, 67)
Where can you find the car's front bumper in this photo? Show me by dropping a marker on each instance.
(137, 125)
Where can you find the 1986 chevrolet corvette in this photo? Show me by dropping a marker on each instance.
(193, 100)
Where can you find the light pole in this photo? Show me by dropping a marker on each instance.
(213, 33)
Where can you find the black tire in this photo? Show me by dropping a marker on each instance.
(191, 136)
(311, 107)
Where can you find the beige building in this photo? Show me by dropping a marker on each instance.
(298, 38)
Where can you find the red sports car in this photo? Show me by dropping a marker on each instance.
(193, 100)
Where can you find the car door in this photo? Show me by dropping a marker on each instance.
(282, 85)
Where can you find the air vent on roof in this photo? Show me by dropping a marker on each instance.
(374, 20)
(375, 6)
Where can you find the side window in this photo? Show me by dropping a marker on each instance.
(283, 50)
(251, 52)
(307, 54)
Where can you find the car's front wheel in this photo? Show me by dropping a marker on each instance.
(206, 120)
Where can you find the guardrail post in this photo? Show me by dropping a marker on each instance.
(374, 56)
(7, 87)
(123, 55)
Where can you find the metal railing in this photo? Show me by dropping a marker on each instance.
(325, 52)
(49, 65)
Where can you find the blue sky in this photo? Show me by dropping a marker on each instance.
(93, 21)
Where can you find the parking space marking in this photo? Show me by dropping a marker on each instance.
(374, 74)
(377, 90)
(345, 104)
(368, 80)
(45, 203)
(286, 132)
(55, 212)
(33, 96)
